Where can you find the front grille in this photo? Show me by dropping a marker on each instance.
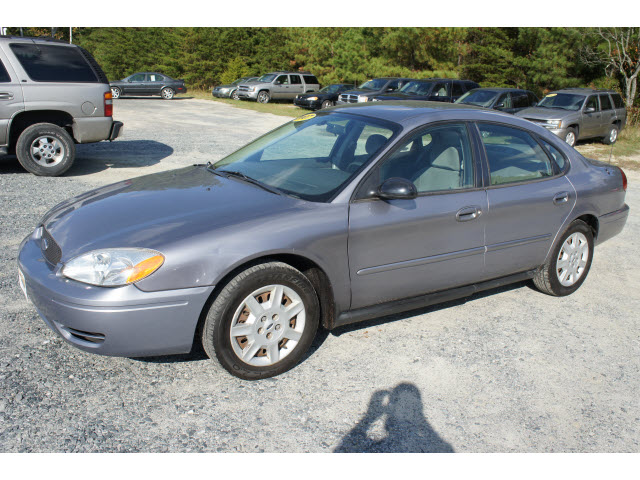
(536, 120)
(50, 248)
(349, 98)
(243, 88)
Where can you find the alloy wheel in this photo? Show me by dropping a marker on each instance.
(572, 259)
(47, 151)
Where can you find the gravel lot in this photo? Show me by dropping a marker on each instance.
(511, 370)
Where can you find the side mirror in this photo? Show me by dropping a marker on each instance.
(397, 189)
(589, 110)
(390, 89)
(500, 105)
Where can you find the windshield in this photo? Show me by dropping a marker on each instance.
(267, 78)
(376, 84)
(565, 101)
(311, 159)
(481, 98)
(240, 80)
(417, 88)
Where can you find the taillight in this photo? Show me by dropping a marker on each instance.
(108, 104)
(624, 179)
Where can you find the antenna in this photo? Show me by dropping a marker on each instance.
(611, 152)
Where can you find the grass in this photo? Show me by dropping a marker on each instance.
(625, 153)
(274, 107)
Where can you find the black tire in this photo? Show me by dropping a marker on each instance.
(234, 95)
(216, 332)
(327, 104)
(115, 92)
(39, 164)
(611, 136)
(546, 279)
(167, 93)
(571, 137)
(264, 97)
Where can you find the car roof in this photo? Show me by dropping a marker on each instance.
(500, 89)
(582, 91)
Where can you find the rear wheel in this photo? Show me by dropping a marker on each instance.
(264, 97)
(45, 149)
(569, 263)
(167, 93)
(262, 322)
(571, 136)
(611, 136)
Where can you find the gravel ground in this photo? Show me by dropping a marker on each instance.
(511, 370)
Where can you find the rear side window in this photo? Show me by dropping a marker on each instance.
(555, 153)
(605, 103)
(310, 79)
(533, 100)
(154, 77)
(520, 99)
(617, 100)
(4, 75)
(53, 63)
(513, 155)
(295, 79)
(457, 89)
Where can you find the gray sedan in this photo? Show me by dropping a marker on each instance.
(335, 217)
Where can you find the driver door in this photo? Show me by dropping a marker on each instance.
(409, 247)
(281, 87)
(135, 85)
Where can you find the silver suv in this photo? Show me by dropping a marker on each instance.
(577, 113)
(52, 96)
(278, 86)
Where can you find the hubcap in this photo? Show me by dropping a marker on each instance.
(115, 93)
(572, 259)
(263, 98)
(167, 93)
(267, 325)
(570, 138)
(613, 135)
(47, 151)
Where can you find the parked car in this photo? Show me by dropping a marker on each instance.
(278, 86)
(577, 113)
(146, 84)
(325, 98)
(231, 90)
(335, 217)
(52, 96)
(431, 89)
(371, 88)
(508, 100)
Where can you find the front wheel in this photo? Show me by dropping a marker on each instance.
(611, 136)
(262, 322)
(167, 93)
(115, 92)
(327, 104)
(569, 263)
(45, 149)
(264, 97)
(235, 96)
(571, 137)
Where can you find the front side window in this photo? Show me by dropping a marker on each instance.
(53, 63)
(282, 80)
(440, 90)
(513, 155)
(592, 102)
(436, 159)
(312, 159)
(504, 101)
(138, 77)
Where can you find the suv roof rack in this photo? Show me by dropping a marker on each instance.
(42, 39)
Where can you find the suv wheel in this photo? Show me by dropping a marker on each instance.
(115, 92)
(45, 149)
(167, 93)
(262, 322)
(611, 136)
(264, 97)
(571, 136)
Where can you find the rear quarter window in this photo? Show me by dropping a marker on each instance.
(617, 100)
(310, 79)
(53, 63)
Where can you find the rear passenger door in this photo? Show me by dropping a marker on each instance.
(11, 100)
(607, 112)
(154, 83)
(296, 86)
(529, 199)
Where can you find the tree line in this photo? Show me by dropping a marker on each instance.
(537, 59)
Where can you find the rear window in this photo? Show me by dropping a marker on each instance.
(617, 100)
(310, 79)
(53, 63)
(4, 75)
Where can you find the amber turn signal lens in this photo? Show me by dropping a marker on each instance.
(145, 268)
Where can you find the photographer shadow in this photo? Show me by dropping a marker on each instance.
(405, 427)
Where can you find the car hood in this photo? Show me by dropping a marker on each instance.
(157, 210)
(541, 113)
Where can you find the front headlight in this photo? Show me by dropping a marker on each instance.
(252, 89)
(312, 99)
(553, 123)
(363, 98)
(112, 267)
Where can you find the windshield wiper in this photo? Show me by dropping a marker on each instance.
(246, 178)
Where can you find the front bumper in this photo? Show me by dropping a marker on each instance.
(304, 103)
(221, 94)
(121, 321)
(611, 224)
(250, 95)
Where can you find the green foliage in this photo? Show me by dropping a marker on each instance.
(236, 68)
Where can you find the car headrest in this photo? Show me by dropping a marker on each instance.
(374, 142)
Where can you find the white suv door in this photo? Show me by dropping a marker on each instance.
(11, 99)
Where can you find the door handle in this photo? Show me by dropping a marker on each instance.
(466, 214)
(6, 96)
(561, 198)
